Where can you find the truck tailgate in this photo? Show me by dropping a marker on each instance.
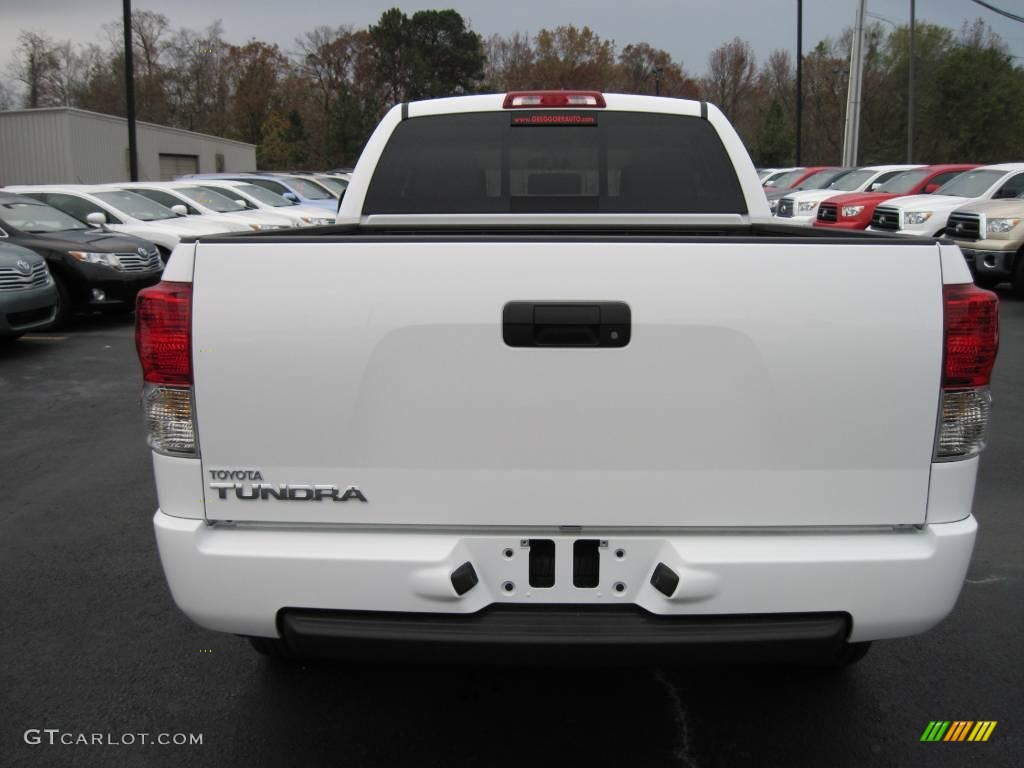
(767, 383)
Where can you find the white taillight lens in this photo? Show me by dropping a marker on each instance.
(971, 341)
(169, 419)
(963, 424)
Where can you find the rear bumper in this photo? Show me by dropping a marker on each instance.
(564, 634)
(890, 583)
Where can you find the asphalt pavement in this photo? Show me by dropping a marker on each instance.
(92, 643)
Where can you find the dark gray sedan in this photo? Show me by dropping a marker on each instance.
(28, 296)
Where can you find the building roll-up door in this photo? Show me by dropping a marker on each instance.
(172, 166)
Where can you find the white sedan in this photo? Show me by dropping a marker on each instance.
(194, 200)
(122, 211)
(265, 200)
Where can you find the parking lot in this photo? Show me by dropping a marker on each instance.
(92, 642)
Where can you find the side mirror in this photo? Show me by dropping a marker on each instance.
(291, 196)
(96, 219)
(875, 186)
(180, 209)
(241, 202)
(929, 188)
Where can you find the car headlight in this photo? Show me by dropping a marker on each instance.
(1001, 226)
(849, 211)
(106, 259)
(806, 207)
(256, 227)
(917, 217)
(322, 222)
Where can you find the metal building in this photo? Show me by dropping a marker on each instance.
(63, 145)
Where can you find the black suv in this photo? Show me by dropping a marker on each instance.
(93, 269)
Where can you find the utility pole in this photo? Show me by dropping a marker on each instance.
(129, 88)
(799, 73)
(910, 91)
(853, 98)
(657, 81)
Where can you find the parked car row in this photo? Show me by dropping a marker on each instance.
(315, 190)
(75, 247)
(981, 208)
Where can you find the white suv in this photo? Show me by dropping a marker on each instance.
(927, 214)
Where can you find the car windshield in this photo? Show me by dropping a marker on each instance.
(37, 218)
(786, 180)
(208, 198)
(904, 182)
(821, 179)
(337, 186)
(308, 189)
(970, 184)
(136, 206)
(852, 181)
(262, 195)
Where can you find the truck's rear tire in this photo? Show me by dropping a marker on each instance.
(851, 654)
(270, 647)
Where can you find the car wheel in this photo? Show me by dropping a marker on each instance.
(65, 306)
(1018, 275)
(987, 281)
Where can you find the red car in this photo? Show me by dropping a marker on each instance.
(853, 211)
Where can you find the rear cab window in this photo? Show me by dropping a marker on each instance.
(547, 161)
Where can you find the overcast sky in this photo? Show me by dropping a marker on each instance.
(689, 29)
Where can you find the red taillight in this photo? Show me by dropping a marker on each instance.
(972, 335)
(552, 99)
(163, 333)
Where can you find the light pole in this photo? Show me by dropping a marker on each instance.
(799, 78)
(910, 91)
(129, 92)
(853, 98)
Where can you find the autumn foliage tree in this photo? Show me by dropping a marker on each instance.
(315, 104)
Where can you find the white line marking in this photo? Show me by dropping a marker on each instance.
(682, 751)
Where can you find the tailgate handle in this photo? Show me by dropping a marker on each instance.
(566, 324)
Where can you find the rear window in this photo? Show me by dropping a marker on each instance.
(564, 162)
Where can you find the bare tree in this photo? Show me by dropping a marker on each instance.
(7, 98)
(34, 65)
(730, 80)
(509, 62)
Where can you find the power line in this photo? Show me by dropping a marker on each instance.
(1000, 11)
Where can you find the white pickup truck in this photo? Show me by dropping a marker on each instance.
(555, 383)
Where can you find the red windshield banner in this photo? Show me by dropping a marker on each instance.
(554, 118)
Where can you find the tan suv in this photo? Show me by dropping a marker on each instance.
(991, 235)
